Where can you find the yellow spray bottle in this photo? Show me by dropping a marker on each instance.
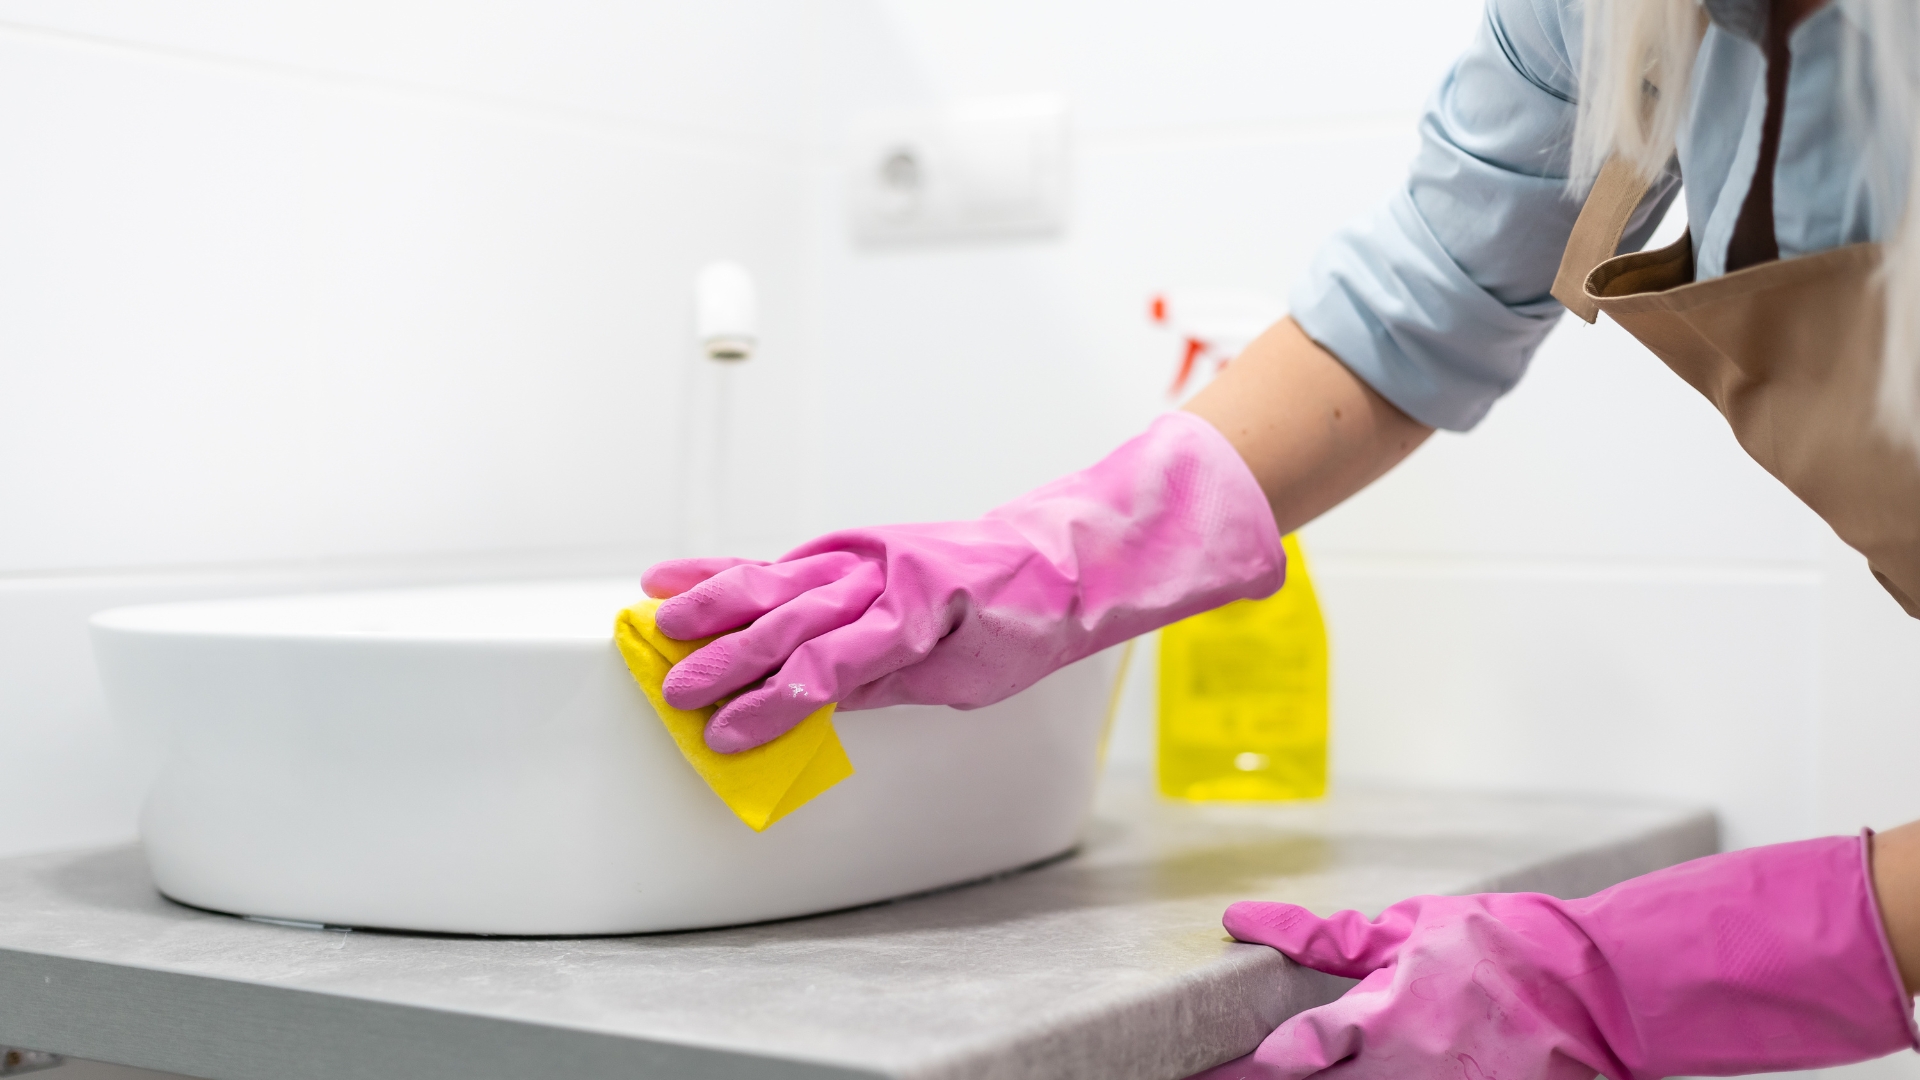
(1243, 697)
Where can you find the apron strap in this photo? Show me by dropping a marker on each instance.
(1616, 194)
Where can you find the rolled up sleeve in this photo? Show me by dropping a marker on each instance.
(1439, 298)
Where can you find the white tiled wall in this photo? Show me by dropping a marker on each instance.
(314, 295)
(270, 315)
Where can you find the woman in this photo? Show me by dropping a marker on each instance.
(1792, 306)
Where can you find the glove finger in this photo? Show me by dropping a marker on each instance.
(738, 595)
(675, 576)
(1346, 944)
(740, 660)
(759, 716)
(821, 670)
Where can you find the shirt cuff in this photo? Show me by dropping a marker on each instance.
(1386, 299)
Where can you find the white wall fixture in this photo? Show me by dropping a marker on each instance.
(726, 331)
(978, 167)
(726, 311)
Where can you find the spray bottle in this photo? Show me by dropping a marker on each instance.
(1243, 697)
(1243, 689)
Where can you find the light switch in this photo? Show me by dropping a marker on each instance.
(981, 167)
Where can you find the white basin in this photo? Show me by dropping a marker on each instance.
(477, 760)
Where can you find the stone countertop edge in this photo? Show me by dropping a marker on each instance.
(1214, 999)
(223, 1028)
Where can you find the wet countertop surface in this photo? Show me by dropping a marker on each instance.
(1109, 963)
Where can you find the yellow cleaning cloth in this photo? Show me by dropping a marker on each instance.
(761, 785)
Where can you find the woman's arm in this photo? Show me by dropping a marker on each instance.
(1313, 434)
(1310, 429)
(1896, 881)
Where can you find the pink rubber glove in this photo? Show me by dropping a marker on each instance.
(1761, 960)
(966, 613)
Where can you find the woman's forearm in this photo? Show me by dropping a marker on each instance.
(1896, 882)
(1312, 432)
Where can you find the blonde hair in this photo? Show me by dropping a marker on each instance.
(1636, 65)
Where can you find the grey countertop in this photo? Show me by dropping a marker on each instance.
(1109, 963)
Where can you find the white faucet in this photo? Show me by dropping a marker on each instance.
(726, 330)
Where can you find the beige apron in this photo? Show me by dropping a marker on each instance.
(1788, 351)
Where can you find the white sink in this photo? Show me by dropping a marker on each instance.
(477, 760)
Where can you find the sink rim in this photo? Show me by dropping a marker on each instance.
(498, 614)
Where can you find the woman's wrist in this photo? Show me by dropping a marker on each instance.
(1896, 884)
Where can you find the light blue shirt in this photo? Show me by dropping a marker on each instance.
(1439, 298)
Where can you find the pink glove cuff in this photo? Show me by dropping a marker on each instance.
(1171, 524)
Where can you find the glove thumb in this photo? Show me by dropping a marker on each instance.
(1346, 944)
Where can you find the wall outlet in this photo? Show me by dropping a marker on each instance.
(980, 167)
